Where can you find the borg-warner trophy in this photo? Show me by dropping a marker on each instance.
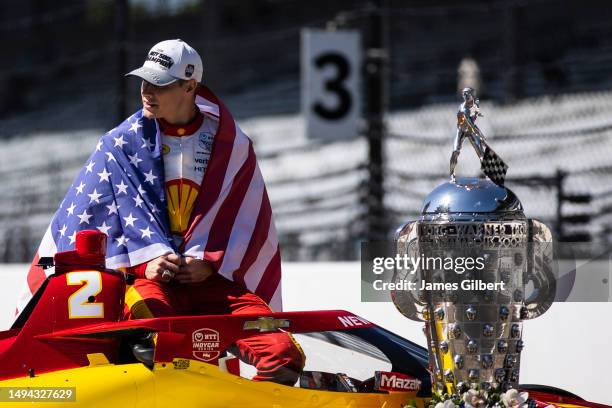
(473, 310)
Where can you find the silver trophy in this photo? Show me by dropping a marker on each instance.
(484, 268)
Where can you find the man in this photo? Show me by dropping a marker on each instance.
(177, 189)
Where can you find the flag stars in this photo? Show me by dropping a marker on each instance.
(62, 230)
(84, 217)
(134, 159)
(99, 145)
(110, 157)
(119, 142)
(154, 210)
(89, 166)
(79, 188)
(129, 220)
(146, 144)
(112, 208)
(104, 175)
(94, 197)
(121, 188)
(141, 190)
(135, 126)
(103, 228)
(149, 177)
(146, 233)
(73, 238)
(138, 201)
(70, 210)
(122, 241)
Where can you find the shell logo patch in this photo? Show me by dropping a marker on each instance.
(165, 149)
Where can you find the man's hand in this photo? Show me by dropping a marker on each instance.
(193, 270)
(156, 268)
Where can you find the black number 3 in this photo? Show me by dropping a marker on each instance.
(335, 85)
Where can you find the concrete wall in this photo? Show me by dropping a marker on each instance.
(568, 347)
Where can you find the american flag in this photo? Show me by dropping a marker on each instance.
(120, 191)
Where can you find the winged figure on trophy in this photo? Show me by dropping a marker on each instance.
(490, 163)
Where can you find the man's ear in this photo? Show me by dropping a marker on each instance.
(191, 85)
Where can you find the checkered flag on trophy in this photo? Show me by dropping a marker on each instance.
(493, 167)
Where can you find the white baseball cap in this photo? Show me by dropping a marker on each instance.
(169, 61)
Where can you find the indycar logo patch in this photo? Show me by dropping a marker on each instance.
(205, 344)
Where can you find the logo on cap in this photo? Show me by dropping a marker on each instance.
(161, 59)
(189, 69)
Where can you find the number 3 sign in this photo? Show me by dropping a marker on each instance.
(331, 65)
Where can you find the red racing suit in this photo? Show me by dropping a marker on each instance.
(186, 152)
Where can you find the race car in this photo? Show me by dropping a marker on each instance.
(70, 347)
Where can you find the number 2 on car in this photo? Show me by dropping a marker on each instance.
(80, 303)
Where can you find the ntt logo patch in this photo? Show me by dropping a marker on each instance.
(205, 344)
(390, 381)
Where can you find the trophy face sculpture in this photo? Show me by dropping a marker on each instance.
(484, 268)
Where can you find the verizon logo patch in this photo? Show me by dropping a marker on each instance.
(389, 381)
